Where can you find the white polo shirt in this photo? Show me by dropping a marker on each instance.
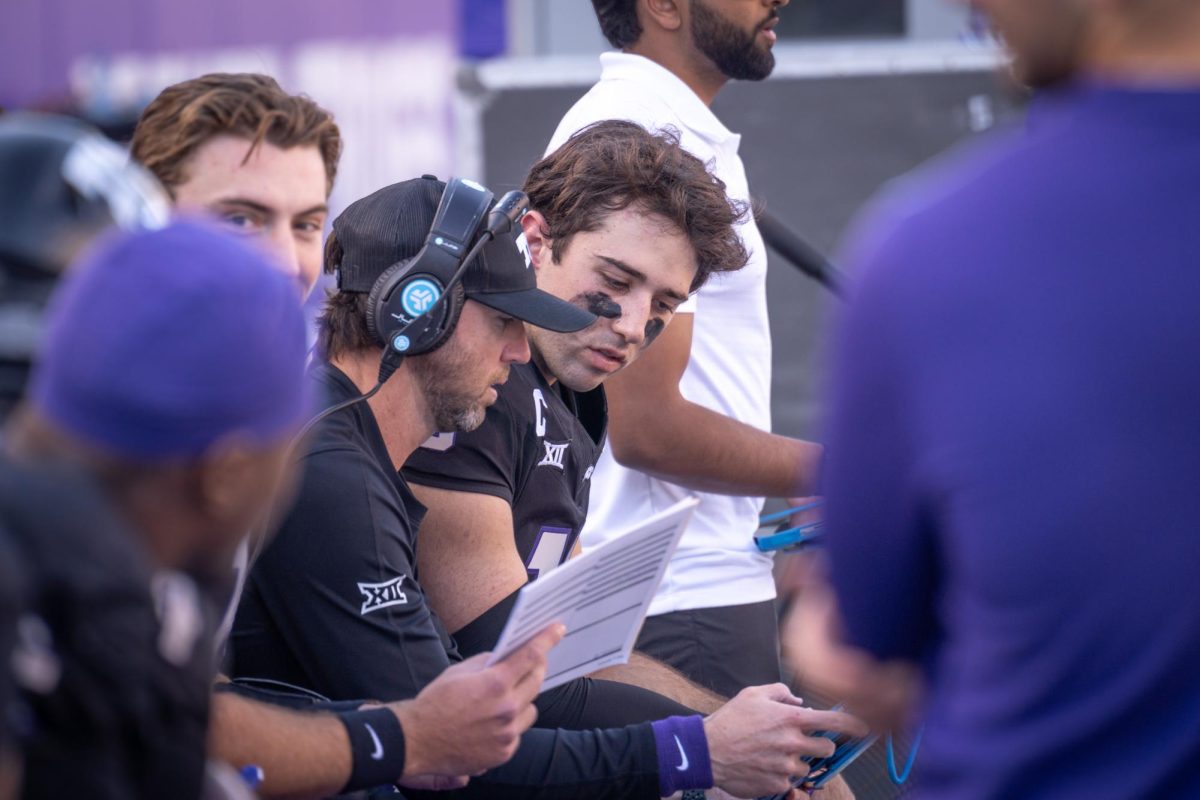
(730, 366)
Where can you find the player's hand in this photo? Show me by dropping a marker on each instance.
(471, 718)
(757, 739)
(820, 660)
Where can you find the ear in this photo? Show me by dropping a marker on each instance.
(221, 478)
(535, 227)
(665, 14)
(239, 484)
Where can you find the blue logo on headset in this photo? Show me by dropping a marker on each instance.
(419, 296)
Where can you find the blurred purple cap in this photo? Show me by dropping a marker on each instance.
(160, 343)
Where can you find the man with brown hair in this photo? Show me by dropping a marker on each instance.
(626, 224)
(238, 147)
(336, 605)
(695, 414)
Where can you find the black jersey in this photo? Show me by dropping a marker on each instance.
(333, 605)
(12, 596)
(114, 660)
(536, 450)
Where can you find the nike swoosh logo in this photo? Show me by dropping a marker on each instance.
(378, 754)
(683, 761)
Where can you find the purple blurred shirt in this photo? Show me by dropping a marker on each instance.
(1014, 450)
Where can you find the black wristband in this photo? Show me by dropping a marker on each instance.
(377, 747)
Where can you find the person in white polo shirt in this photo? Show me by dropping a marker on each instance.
(693, 415)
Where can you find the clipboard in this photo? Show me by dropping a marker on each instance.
(601, 596)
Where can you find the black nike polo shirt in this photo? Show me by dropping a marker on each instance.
(332, 604)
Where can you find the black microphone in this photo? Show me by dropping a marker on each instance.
(507, 212)
(801, 254)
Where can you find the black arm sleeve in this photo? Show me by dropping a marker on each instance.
(569, 765)
(481, 634)
(586, 703)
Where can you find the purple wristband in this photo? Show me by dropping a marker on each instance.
(683, 761)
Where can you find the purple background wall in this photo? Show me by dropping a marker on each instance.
(41, 39)
(385, 68)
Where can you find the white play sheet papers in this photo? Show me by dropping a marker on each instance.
(601, 596)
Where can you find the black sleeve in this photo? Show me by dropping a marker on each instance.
(481, 634)
(12, 600)
(586, 703)
(482, 461)
(122, 721)
(569, 765)
(337, 583)
(115, 697)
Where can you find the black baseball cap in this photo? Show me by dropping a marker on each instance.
(391, 225)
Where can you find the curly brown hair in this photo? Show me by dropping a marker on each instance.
(612, 165)
(248, 105)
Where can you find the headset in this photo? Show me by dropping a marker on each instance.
(414, 305)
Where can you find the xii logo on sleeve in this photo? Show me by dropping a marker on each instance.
(554, 454)
(382, 595)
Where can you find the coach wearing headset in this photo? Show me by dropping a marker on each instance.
(238, 148)
(334, 605)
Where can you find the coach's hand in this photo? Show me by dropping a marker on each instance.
(756, 740)
(471, 718)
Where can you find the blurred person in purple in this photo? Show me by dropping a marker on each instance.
(61, 183)
(1013, 447)
(155, 427)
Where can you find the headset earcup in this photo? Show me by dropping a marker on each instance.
(380, 291)
(385, 294)
(442, 325)
(449, 321)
